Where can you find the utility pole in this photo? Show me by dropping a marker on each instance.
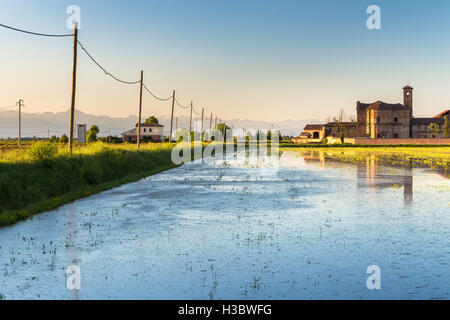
(20, 105)
(176, 123)
(140, 111)
(171, 117)
(48, 133)
(215, 123)
(201, 130)
(210, 122)
(74, 86)
(190, 121)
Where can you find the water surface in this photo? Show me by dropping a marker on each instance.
(242, 228)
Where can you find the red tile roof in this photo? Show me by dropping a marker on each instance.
(442, 114)
(146, 125)
(313, 127)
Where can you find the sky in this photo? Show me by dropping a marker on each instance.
(270, 60)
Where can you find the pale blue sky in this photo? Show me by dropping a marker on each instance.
(263, 60)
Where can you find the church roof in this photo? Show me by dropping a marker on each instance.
(408, 87)
(427, 120)
(380, 105)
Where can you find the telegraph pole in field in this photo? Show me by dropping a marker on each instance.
(140, 111)
(201, 130)
(190, 121)
(74, 86)
(171, 117)
(210, 122)
(20, 105)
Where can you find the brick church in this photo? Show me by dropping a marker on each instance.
(385, 120)
(379, 120)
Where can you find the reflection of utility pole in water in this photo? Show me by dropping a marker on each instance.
(408, 187)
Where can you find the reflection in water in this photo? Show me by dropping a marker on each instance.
(372, 174)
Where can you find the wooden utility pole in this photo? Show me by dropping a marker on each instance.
(201, 130)
(171, 117)
(176, 123)
(190, 121)
(74, 86)
(210, 122)
(215, 123)
(20, 105)
(140, 111)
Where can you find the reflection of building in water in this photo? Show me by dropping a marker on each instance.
(379, 177)
(314, 157)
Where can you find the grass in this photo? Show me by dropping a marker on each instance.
(434, 157)
(33, 181)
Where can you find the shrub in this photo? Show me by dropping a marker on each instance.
(42, 151)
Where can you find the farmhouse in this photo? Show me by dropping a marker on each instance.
(151, 131)
(379, 120)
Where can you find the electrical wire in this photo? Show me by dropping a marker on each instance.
(181, 106)
(156, 97)
(103, 69)
(197, 113)
(36, 33)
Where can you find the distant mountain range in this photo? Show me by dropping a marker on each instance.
(49, 123)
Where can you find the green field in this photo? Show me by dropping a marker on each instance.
(41, 177)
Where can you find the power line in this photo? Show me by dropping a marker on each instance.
(104, 70)
(180, 105)
(36, 33)
(156, 97)
(197, 113)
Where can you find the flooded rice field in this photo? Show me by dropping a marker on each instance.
(242, 228)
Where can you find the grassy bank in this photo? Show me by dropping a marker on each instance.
(434, 157)
(33, 182)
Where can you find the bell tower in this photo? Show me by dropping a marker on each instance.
(408, 98)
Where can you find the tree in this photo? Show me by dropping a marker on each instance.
(64, 139)
(151, 119)
(446, 128)
(339, 123)
(222, 127)
(92, 134)
(53, 139)
(433, 129)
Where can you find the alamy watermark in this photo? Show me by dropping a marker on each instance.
(73, 281)
(229, 143)
(75, 17)
(374, 280)
(374, 20)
